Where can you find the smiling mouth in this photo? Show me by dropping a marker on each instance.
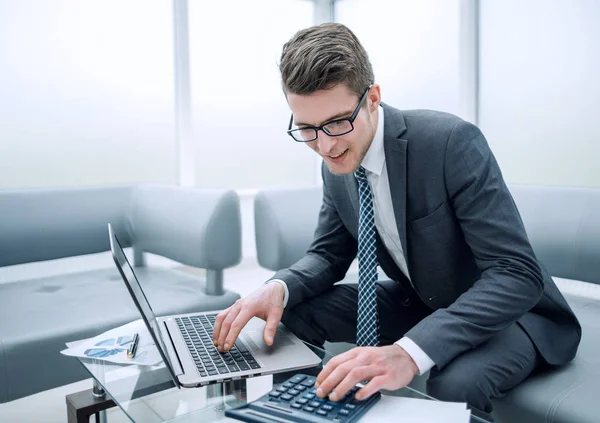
(337, 156)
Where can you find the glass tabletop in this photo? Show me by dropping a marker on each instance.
(147, 393)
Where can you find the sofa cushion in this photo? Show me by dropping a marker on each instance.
(32, 332)
(567, 394)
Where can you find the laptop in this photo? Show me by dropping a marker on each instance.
(184, 341)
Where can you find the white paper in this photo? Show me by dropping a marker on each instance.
(112, 346)
(409, 410)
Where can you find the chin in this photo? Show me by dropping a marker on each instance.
(342, 168)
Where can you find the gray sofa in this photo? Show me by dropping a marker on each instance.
(563, 224)
(197, 228)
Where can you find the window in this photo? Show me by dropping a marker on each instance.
(239, 112)
(86, 93)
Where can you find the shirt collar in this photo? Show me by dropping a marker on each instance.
(375, 157)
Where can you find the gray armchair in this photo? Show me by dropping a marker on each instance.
(195, 227)
(563, 224)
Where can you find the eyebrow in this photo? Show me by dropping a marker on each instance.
(334, 117)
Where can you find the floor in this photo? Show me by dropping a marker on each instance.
(49, 406)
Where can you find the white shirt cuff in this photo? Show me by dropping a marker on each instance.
(424, 363)
(286, 296)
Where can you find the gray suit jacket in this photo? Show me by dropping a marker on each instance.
(467, 251)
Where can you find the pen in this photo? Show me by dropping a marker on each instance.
(133, 346)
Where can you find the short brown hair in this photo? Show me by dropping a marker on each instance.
(323, 56)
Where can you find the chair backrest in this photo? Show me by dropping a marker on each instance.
(284, 224)
(563, 225)
(197, 227)
(38, 225)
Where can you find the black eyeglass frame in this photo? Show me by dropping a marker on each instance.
(351, 119)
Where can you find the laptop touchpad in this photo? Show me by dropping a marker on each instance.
(256, 339)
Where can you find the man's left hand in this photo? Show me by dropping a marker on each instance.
(389, 367)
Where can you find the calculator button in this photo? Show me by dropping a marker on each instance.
(302, 401)
(311, 391)
(296, 405)
(314, 404)
(350, 406)
(327, 407)
(282, 389)
(293, 392)
(300, 388)
(309, 396)
(274, 394)
(344, 412)
(322, 413)
(309, 381)
(309, 409)
(356, 388)
(286, 397)
(298, 379)
(289, 385)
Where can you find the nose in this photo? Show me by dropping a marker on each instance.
(325, 143)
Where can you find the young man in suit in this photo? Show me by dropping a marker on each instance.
(420, 194)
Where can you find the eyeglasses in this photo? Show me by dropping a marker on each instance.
(334, 128)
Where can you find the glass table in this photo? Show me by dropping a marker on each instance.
(147, 394)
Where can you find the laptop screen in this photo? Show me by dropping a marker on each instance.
(139, 298)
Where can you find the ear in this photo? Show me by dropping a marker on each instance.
(374, 97)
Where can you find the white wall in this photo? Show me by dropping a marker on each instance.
(86, 93)
(539, 92)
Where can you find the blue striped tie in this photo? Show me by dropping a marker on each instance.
(367, 328)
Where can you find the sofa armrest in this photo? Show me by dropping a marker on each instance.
(284, 224)
(196, 227)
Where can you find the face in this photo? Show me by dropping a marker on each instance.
(343, 154)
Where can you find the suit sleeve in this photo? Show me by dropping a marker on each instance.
(510, 282)
(327, 259)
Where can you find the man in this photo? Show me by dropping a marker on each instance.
(420, 194)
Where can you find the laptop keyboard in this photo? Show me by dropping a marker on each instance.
(197, 333)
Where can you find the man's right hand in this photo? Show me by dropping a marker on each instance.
(265, 303)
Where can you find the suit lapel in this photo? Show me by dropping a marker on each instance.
(352, 187)
(395, 161)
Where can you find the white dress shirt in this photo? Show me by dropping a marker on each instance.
(385, 222)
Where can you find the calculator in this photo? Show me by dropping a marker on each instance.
(295, 400)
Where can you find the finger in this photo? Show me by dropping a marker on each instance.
(236, 327)
(354, 376)
(233, 313)
(273, 320)
(374, 385)
(218, 322)
(336, 361)
(334, 378)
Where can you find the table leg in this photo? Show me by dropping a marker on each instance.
(99, 392)
(91, 402)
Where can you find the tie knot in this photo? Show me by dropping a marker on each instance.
(360, 174)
